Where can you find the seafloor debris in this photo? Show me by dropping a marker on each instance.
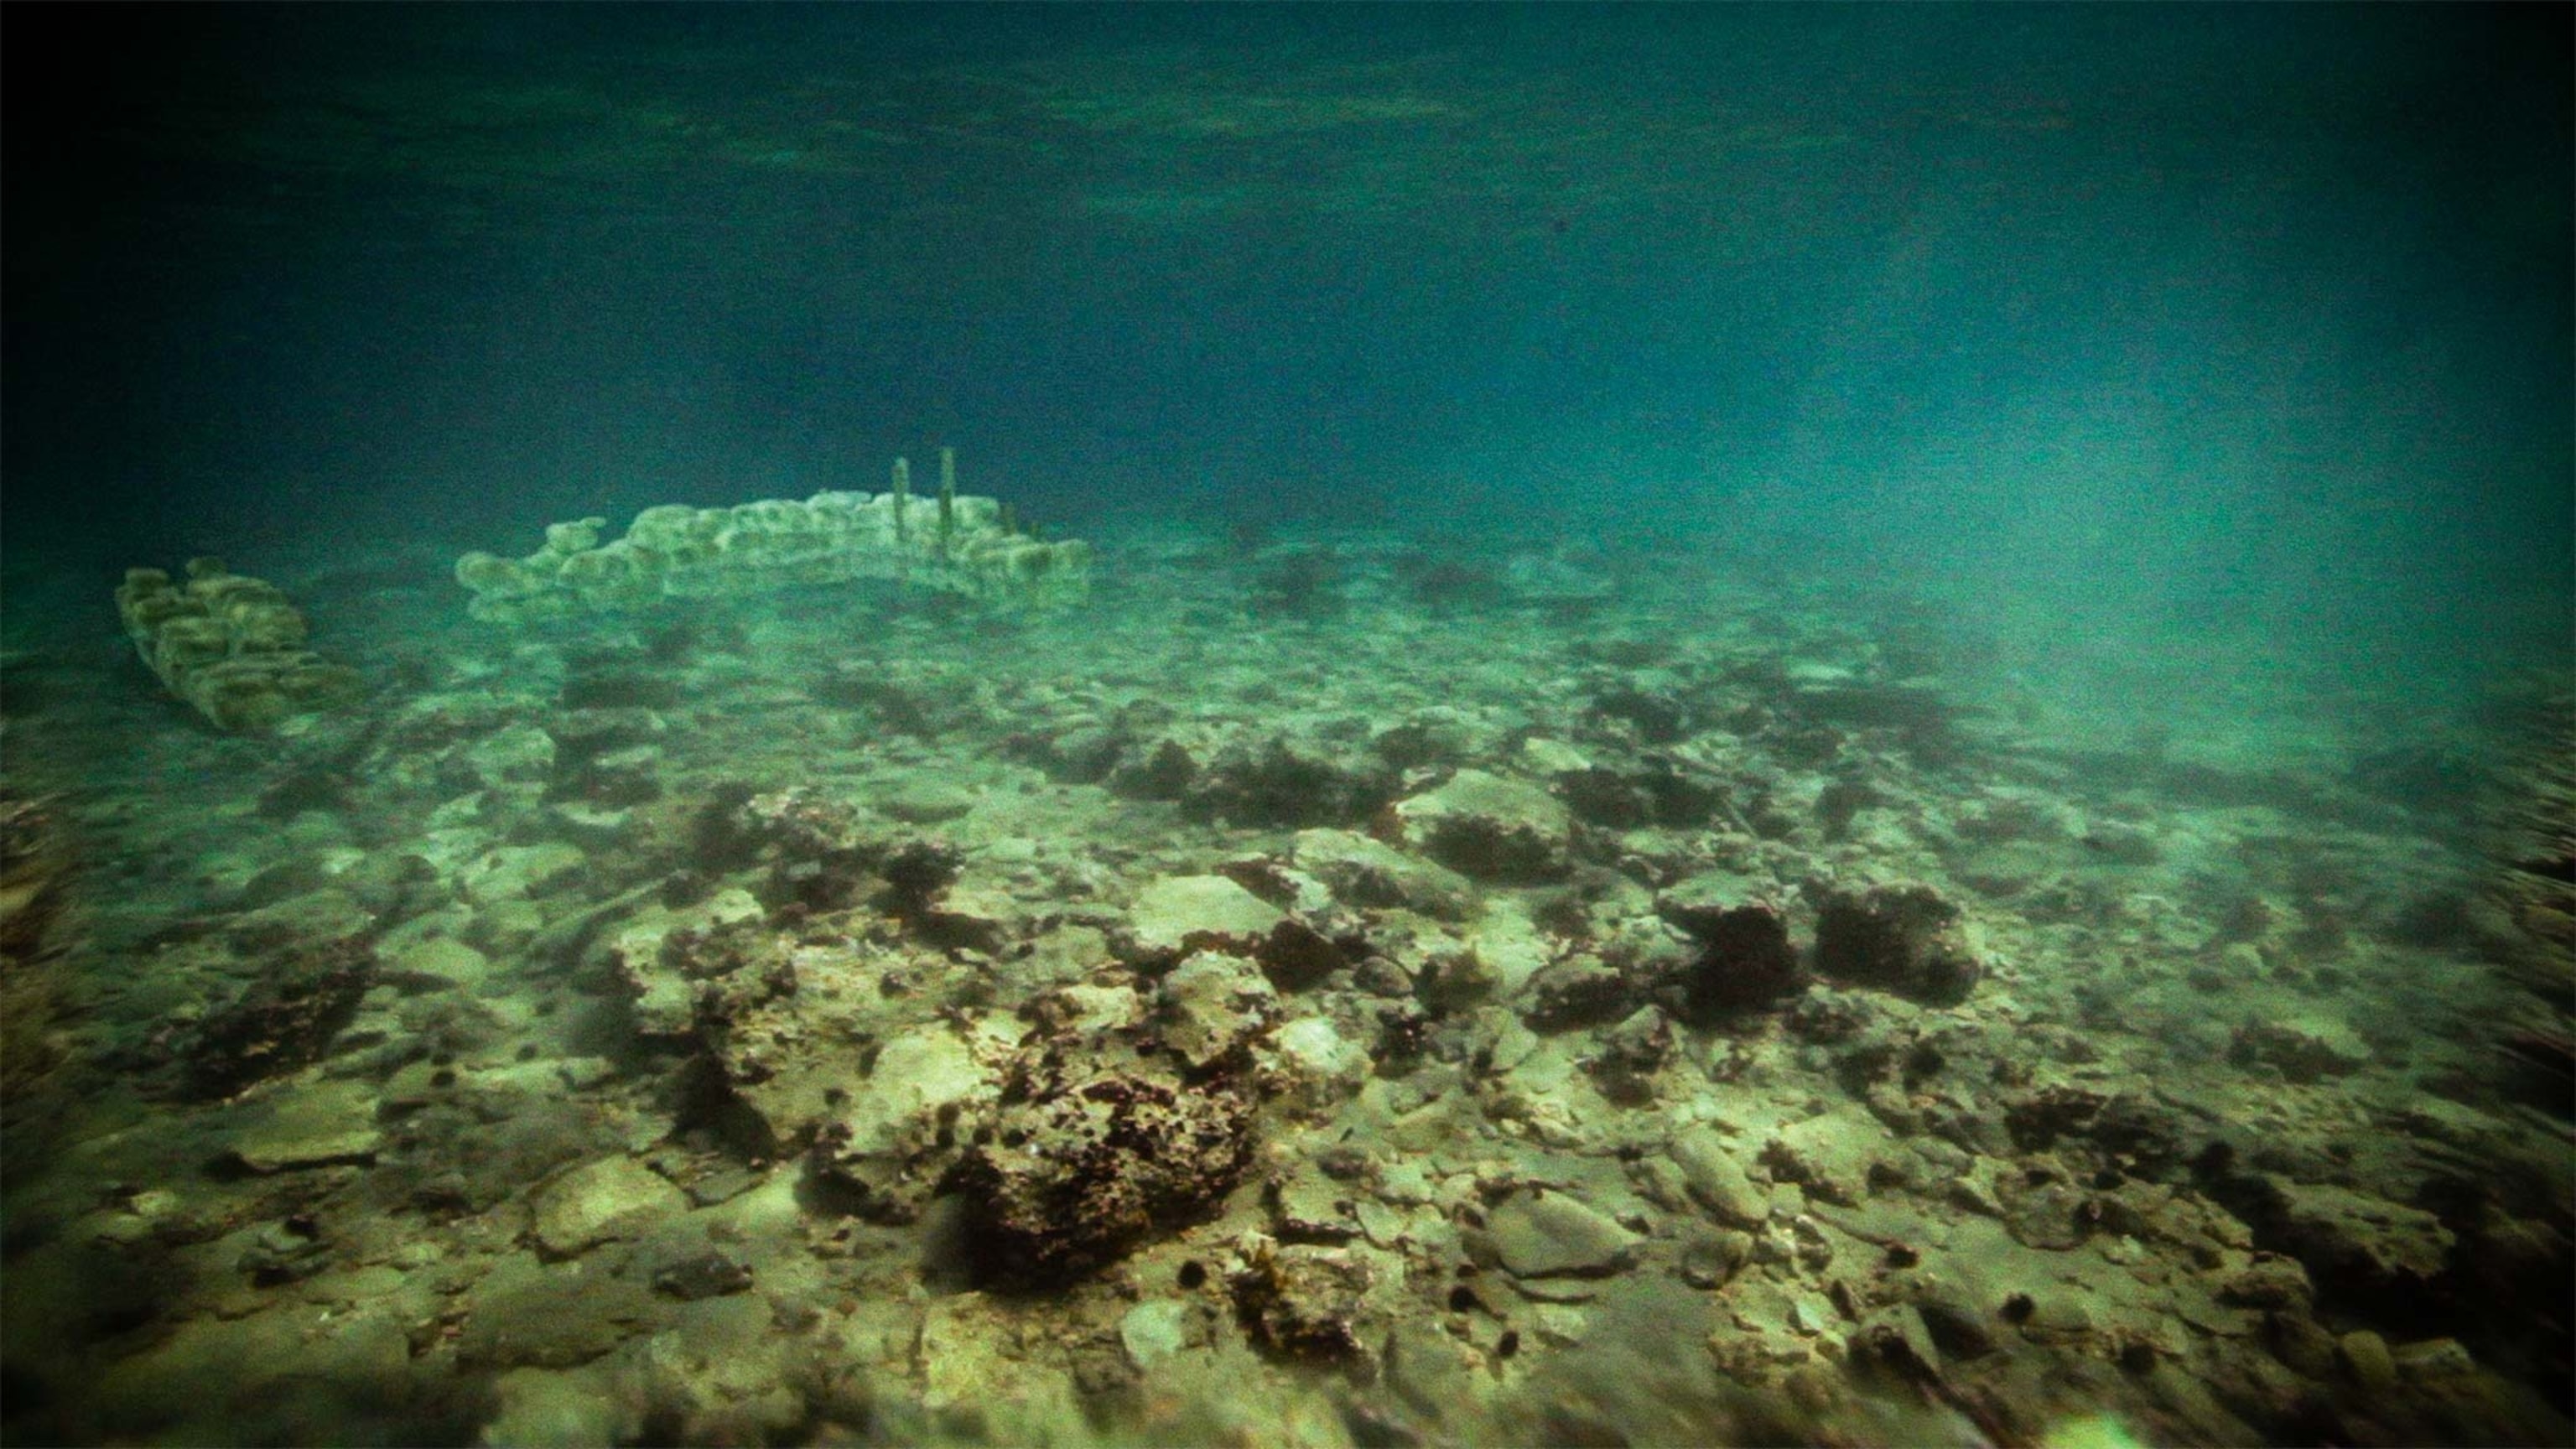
(1387, 1031)
(284, 1020)
(230, 645)
(955, 542)
(35, 871)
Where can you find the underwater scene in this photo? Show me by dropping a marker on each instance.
(1315, 726)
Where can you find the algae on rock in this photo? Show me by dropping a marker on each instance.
(961, 544)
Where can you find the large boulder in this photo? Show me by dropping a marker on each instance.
(1096, 1148)
(1743, 960)
(1293, 782)
(1178, 915)
(1490, 827)
(1906, 939)
(1372, 875)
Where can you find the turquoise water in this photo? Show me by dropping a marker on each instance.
(1716, 725)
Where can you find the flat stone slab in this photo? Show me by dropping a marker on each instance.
(317, 1126)
(1543, 1234)
(1186, 913)
(605, 1199)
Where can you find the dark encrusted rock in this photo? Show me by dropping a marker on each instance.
(1162, 770)
(916, 873)
(1605, 797)
(1905, 939)
(2305, 1052)
(1631, 1053)
(1652, 791)
(1082, 755)
(2364, 1253)
(813, 844)
(1284, 782)
(1651, 710)
(1744, 962)
(1578, 991)
(282, 1022)
(1488, 826)
(612, 779)
(1301, 1302)
(1093, 1149)
(703, 1275)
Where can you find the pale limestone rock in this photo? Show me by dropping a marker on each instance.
(446, 958)
(1829, 1155)
(1509, 947)
(1213, 1003)
(515, 872)
(923, 800)
(1717, 1181)
(541, 1408)
(1322, 1066)
(1372, 875)
(916, 1074)
(1154, 1330)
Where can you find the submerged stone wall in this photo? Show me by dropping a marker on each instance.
(961, 544)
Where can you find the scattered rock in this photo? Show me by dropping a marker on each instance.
(286, 1020)
(924, 800)
(1153, 1331)
(1314, 1064)
(2306, 1050)
(1578, 991)
(1163, 770)
(519, 872)
(1289, 782)
(1630, 1056)
(525, 1313)
(2363, 1253)
(442, 959)
(1831, 1155)
(1212, 1005)
(1180, 914)
(1712, 1259)
(322, 1124)
(701, 1275)
(284, 1252)
(1309, 1207)
(891, 1135)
